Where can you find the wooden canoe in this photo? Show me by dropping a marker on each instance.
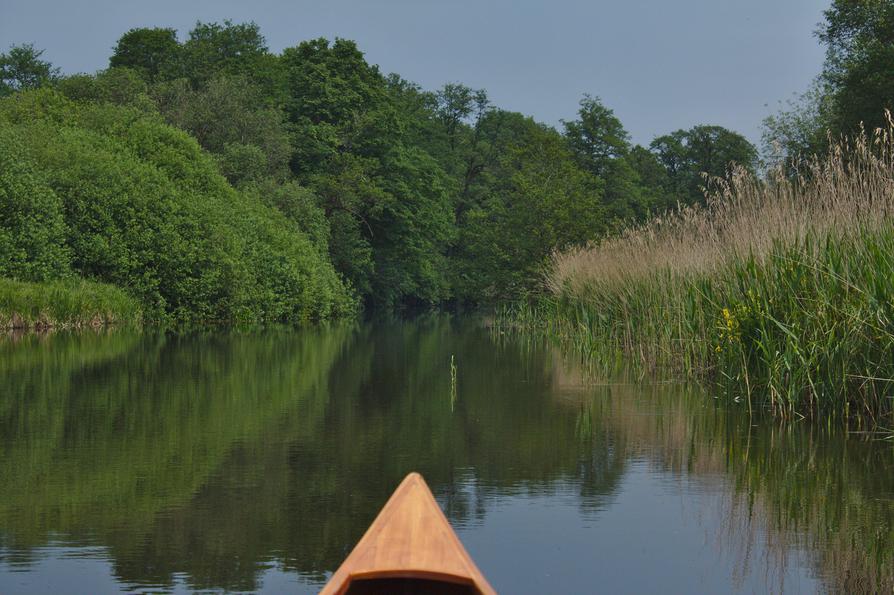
(409, 548)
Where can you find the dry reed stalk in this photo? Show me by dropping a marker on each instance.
(849, 190)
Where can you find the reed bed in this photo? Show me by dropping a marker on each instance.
(781, 289)
(73, 303)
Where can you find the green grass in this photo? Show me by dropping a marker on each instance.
(66, 304)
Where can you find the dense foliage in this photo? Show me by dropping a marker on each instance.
(21, 68)
(859, 66)
(112, 194)
(309, 176)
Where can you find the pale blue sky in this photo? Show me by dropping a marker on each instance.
(660, 64)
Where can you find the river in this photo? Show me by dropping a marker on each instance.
(254, 460)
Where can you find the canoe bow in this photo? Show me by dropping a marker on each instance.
(410, 539)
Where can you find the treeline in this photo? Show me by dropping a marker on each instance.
(307, 179)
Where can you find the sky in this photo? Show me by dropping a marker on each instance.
(661, 65)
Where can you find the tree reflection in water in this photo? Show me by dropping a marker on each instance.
(216, 455)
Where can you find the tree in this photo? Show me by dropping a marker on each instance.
(387, 201)
(32, 227)
(597, 137)
(152, 52)
(799, 131)
(421, 125)
(336, 101)
(119, 85)
(228, 116)
(859, 68)
(21, 68)
(533, 199)
(653, 177)
(234, 49)
(602, 146)
(144, 208)
(411, 232)
(456, 103)
(711, 149)
(689, 154)
(300, 205)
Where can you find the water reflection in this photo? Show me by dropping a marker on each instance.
(254, 461)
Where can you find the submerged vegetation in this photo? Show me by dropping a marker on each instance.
(782, 288)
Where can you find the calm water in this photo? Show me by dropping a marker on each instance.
(253, 462)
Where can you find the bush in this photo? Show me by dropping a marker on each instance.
(32, 229)
(146, 209)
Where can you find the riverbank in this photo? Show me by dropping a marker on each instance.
(780, 291)
(68, 304)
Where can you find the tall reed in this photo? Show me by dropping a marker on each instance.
(781, 288)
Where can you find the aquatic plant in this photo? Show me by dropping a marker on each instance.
(781, 288)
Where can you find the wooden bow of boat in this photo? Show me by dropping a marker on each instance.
(410, 547)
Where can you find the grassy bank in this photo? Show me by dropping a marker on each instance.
(781, 290)
(64, 304)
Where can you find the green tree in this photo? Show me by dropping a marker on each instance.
(21, 68)
(859, 68)
(337, 103)
(412, 231)
(212, 49)
(602, 146)
(146, 209)
(300, 205)
(119, 85)
(653, 177)
(532, 200)
(387, 201)
(229, 117)
(800, 130)
(152, 52)
(457, 104)
(597, 137)
(32, 228)
(350, 199)
(688, 155)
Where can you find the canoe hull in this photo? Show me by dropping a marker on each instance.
(410, 541)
